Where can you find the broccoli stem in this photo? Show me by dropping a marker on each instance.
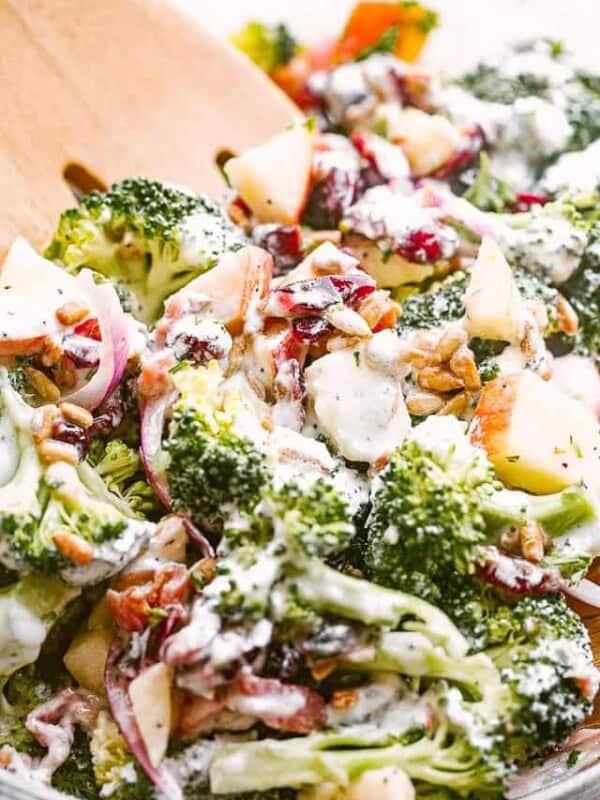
(339, 757)
(330, 591)
(556, 513)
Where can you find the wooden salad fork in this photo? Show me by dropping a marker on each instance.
(95, 92)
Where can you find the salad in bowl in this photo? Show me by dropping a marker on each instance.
(300, 487)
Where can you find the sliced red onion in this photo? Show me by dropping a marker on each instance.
(114, 330)
(151, 430)
(197, 536)
(116, 684)
(586, 591)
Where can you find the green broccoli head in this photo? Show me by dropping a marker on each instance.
(437, 502)
(440, 304)
(76, 776)
(40, 504)
(269, 46)
(213, 468)
(426, 519)
(546, 661)
(488, 192)
(151, 237)
(120, 467)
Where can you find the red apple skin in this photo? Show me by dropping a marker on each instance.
(492, 415)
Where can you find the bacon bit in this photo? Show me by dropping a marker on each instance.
(155, 379)
(531, 537)
(131, 607)
(322, 668)
(515, 575)
(587, 685)
(309, 716)
(74, 548)
(343, 699)
(196, 711)
(72, 312)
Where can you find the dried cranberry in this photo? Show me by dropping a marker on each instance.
(83, 351)
(330, 198)
(515, 575)
(525, 200)
(420, 246)
(310, 329)
(90, 328)
(64, 431)
(303, 298)
(353, 288)
(284, 242)
(471, 144)
(200, 343)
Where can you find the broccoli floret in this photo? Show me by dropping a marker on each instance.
(151, 237)
(445, 754)
(40, 502)
(440, 304)
(76, 776)
(212, 468)
(488, 82)
(120, 467)
(269, 46)
(582, 290)
(437, 502)
(488, 192)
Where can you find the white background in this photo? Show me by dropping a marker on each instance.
(469, 29)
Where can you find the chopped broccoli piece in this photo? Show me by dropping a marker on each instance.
(487, 82)
(440, 304)
(582, 290)
(488, 192)
(120, 467)
(212, 468)
(269, 46)
(153, 238)
(437, 503)
(76, 776)
(39, 503)
(445, 754)
(116, 772)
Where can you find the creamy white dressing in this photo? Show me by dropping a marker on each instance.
(548, 244)
(577, 172)
(361, 409)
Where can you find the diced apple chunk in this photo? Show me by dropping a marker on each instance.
(494, 306)
(86, 656)
(239, 280)
(537, 438)
(273, 179)
(428, 140)
(388, 270)
(359, 407)
(150, 695)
